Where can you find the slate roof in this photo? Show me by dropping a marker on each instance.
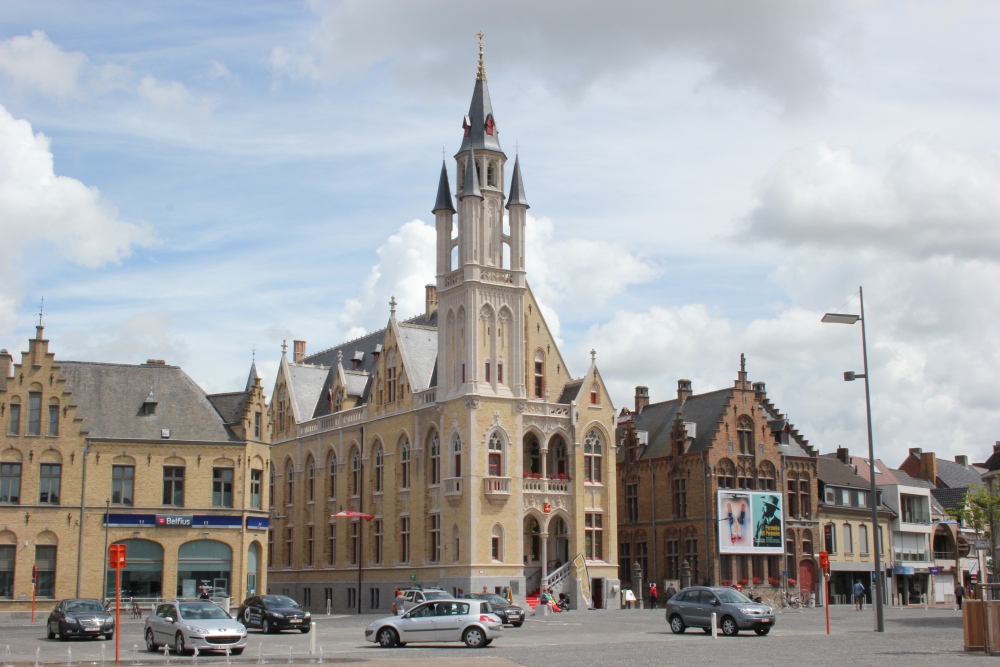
(109, 398)
(230, 406)
(904, 479)
(479, 110)
(570, 392)
(420, 346)
(835, 472)
(950, 499)
(957, 476)
(658, 420)
(308, 384)
(443, 201)
(470, 183)
(517, 187)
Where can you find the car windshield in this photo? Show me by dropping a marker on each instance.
(436, 595)
(732, 596)
(201, 610)
(279, 602)
(496, 599)
(80, 606)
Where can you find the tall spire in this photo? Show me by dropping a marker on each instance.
(517, 187)
(480, 126)
(470, 185)
(252, 378)
(481, 74)
(443, 202)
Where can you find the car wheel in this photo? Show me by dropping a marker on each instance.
(109, 636)
(729, 627)
(236, 651)
(677, 624)
(707, 630)
(48, 632)
(265, 626)
(179, 647)
(474, 638)
(304, 629)
(387, 638)
(150, 644)
(762, 631)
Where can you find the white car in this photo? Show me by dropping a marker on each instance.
(185, 626)
(470, 621)
(415, 596)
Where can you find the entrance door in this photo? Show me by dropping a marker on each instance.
(807, 577)
(597, 591)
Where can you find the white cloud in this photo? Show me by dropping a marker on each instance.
(172, 97)
(921, 199)
(38, 206)
(406, 263)
(32, 62)
(138, 338)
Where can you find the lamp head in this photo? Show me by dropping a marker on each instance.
(840, 318)
(851, 376)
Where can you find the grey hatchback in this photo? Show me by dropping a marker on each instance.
(694, 606)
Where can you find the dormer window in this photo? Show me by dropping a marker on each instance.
(466, 125)
(149, 405)
(356, 359)
(491, 125)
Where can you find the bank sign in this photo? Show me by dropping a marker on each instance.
(174, 520)
(750, 522)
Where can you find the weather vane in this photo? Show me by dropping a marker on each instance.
(41, 310)
(481, 75)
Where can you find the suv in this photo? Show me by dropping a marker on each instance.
(415, 596)
(733, 611)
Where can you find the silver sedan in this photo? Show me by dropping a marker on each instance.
(185, 626)
(470, 621)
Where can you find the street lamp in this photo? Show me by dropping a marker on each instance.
(849, 376)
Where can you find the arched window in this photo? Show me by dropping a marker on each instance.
(290, 482)
(434, 458)
(593, 450)
(355, 472)
(863, 539)
(270, 488)
(539, 374)
(378, 468)
(534, 457)
(594, 392)
(491, 173)
(726, 473)
(744, 432)
(456, 453)
(404, 463)
(848, 541)
(331, 468)
(496, 454)
(338, 399)
(496, 543)
(534, 532)
(765, 476)
(558, 448)
(311, 478)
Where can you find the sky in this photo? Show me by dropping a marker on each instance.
(197, 182)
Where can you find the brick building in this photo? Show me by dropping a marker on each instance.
(95, 454)
(676, 456)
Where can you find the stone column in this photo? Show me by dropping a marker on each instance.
(637, 580)
(544, 537)
(685, 574)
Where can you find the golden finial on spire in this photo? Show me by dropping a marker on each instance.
(481, 74)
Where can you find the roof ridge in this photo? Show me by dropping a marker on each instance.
(111, 363)
(347, 342)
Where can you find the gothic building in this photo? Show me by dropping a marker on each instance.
(478, 460)
(674, 459)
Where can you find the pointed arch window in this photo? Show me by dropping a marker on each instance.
(338, 399)
(289, 483)
(434, 458)
(311, 479)
(491, 165)
(594, 393)
(456, 453)
(270, 488)
(726, 473)
(404, 463)
(379, 469)
(495, 447)
(331, 490)
(558, 448)
(355, 472)
(496, 543)
(744, 433)
(539, 374)
(593, 452)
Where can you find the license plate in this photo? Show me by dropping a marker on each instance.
(91, 629)
(295, 620)
(766, 620)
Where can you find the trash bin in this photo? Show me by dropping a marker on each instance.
(225, 603)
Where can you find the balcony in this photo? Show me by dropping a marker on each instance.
(532, 485)
(453, 486)
(496, 488)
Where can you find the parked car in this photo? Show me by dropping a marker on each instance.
(470, 621)
(509, 613)
(80, 617)
(415, 596)
(273, 613)
(186, 625)
(694, 606)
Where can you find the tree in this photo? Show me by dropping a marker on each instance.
(981, 511)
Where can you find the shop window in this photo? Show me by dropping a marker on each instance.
(142, 576)
(204, 563)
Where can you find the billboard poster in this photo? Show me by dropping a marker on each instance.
(583, 578)
(750, 522)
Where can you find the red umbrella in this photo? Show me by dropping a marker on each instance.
(351, 514)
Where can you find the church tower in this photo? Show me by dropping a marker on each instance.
(480, 264)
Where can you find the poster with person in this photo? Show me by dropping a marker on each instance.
(750, 522)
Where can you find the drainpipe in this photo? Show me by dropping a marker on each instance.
(653, 576)
(361, 501)
(708, 534)
(784, 509)
(83, 506)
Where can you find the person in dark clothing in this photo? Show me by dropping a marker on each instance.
(670, 592)
(959, 594)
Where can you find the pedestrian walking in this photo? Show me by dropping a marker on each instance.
(652, 596)
(400, 603)
(959, 594)
(859, 595)
(670, 592)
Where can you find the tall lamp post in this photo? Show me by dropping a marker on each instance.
(840, 318)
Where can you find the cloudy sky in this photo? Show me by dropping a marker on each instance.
(192, 180)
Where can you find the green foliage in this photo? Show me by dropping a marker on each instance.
(981, 512)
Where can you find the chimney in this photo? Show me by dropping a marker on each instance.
(915, 452)
(928, 467)
(5, 363)
(996, 447)
(298, 350)
(844, 455)
(962, 460)
(430, 299)
(641, 398)
(760, 390)
(683, 390)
